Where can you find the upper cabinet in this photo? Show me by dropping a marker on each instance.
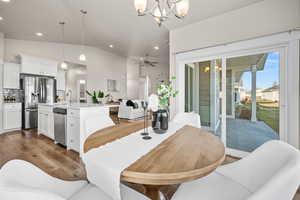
(61, 80)
(11, 76)
(38, 66)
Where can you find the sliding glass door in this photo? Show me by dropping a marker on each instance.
(252, 100)
(237, 97)
(202, 92)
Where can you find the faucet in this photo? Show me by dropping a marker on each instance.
(69, 94)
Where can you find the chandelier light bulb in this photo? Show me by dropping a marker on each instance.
(140, 6)
(164, 13)
(64, 65)
(157, 12)
(182, 8)
(158, 21)
(161, 10)
(82, 57)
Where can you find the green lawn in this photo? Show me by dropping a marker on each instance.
(269, 115)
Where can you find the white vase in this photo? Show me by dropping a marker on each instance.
(100, 100)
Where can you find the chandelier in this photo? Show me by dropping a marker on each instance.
(161, 10)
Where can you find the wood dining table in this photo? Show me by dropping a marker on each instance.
(189, 154)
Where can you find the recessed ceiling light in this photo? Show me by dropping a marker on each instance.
(6, 1)
(156, 47)
(111, 46)
(39, 34)
(1, 18)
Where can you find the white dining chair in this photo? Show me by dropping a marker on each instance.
(271, 172)
(22, 192)
(190, 118)
(22, 180)
(93, 124)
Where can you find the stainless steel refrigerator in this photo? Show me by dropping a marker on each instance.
(35, 90)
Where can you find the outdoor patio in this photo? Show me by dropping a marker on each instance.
(245, 135)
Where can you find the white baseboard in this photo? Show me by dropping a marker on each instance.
(9, 130)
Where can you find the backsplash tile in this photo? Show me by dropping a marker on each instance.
(11, 95)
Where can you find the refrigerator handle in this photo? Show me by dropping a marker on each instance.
(42, 90)
(39, 90)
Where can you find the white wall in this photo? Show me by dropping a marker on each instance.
(259, 19)
(156, 74)
(262, 18)
(101, 65)
(132, 79)
(1, 47)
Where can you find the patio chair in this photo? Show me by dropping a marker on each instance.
(22, 180)
(271, 172)
(191, 118)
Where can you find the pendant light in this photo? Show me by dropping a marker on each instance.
(82, 56)
(63, 64)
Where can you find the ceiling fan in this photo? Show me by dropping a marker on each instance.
(145, 61)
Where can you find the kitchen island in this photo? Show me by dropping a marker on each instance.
(67, 128)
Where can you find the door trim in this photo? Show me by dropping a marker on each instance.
(285, 43)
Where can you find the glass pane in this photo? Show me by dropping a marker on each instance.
(252, 95)
(202, 92)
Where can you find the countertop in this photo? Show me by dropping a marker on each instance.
(77, 105)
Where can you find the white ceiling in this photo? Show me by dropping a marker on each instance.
(107, 22)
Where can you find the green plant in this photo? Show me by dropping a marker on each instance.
(95, 95)
(101, 94)
(165, 92)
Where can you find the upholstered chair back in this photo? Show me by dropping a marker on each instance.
(191, 118)
(93, 124)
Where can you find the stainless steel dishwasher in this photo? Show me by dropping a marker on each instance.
(60, 125)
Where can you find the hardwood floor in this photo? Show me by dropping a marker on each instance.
(42, 152)
(56, 160)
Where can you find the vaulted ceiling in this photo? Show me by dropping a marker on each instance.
(107, 22)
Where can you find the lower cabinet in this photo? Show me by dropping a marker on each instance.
(46, 122)
(12, 116)
(73, 133)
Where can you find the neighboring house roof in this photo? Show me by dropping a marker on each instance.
(272, 89)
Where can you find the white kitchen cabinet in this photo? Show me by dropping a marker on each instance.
(76, 116)
(42, 128)
(12, 116)
(11, 76)
(73, 133)
(50, 124)
(46, 121)
(38, 66)
(61, 80)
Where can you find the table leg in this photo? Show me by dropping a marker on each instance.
(152, 191)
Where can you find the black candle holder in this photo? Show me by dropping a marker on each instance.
(146, 132)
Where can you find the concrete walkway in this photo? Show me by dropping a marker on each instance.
(245, 135)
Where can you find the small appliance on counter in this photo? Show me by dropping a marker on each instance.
(9, 99)
(35, 90)
(11, 95)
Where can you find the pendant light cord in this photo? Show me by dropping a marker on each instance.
(63, 39)
(83, 13)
